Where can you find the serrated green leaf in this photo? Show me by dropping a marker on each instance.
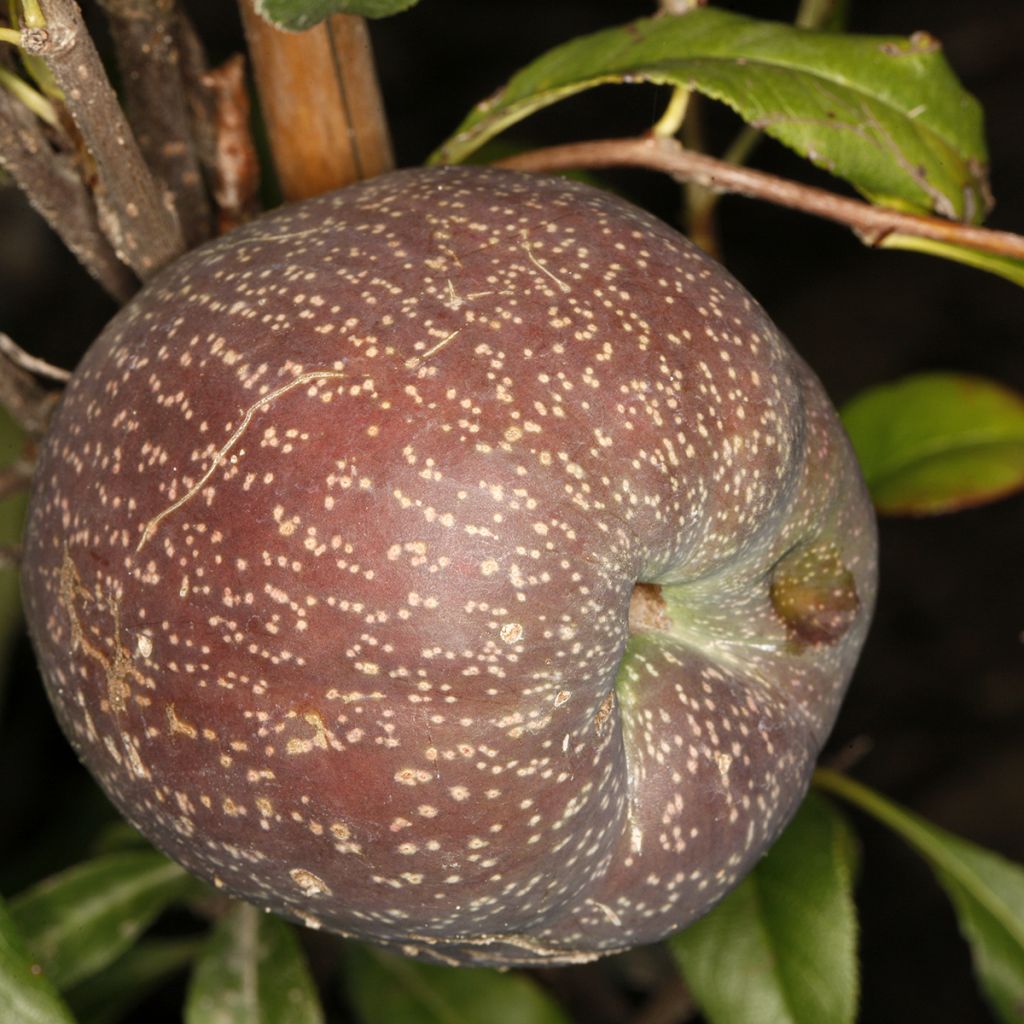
(385, 987)
(937, 442)
(987, 892)
(1004, 266)
(78, 922)
(887, 114)
(252, 969)
(781, 948)
(107, 997)
(26, 994)
(298, 15)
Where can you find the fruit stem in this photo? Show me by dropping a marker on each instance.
(647, 609)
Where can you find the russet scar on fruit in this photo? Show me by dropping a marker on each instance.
(461, 561)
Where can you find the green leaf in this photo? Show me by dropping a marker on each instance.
(78, 922)
(297, 15)
(26, 994)
(253, 969)
(1005, 266)
(987, 892)
(938, 442)
(385, 987)
(885, 113)
(107, 997)
(781, 948)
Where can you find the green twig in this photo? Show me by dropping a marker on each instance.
(10, 35)
(818, 14)
(675, 113)
(31, 98)
(32, 14)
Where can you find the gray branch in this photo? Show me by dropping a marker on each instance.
(146, 40)
(50, 180)
(135, 215)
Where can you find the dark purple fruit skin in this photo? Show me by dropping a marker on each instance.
(331, 558)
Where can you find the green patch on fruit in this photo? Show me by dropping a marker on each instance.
(938, 442)
(886, 114)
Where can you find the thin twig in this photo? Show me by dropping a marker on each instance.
(701, 202)
(220, 111)
(146, 43)
(199, 101)
(320, 101)
(29, 404)
(30, 363)
(137, 218)
(52, 184)
(872, 223)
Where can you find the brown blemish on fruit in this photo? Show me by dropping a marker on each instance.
(177, 725)
(310, 884)
(116, 670)
(604, 712)
(815, 595)
(319, 740)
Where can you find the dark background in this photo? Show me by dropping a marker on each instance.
(935, 717)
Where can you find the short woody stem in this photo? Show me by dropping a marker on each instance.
(146, 41)
(320, 101)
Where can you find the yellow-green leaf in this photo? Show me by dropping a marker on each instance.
(781, 948)
(1004, 266)
(938, 442)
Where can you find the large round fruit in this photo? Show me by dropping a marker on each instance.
(461, 561)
